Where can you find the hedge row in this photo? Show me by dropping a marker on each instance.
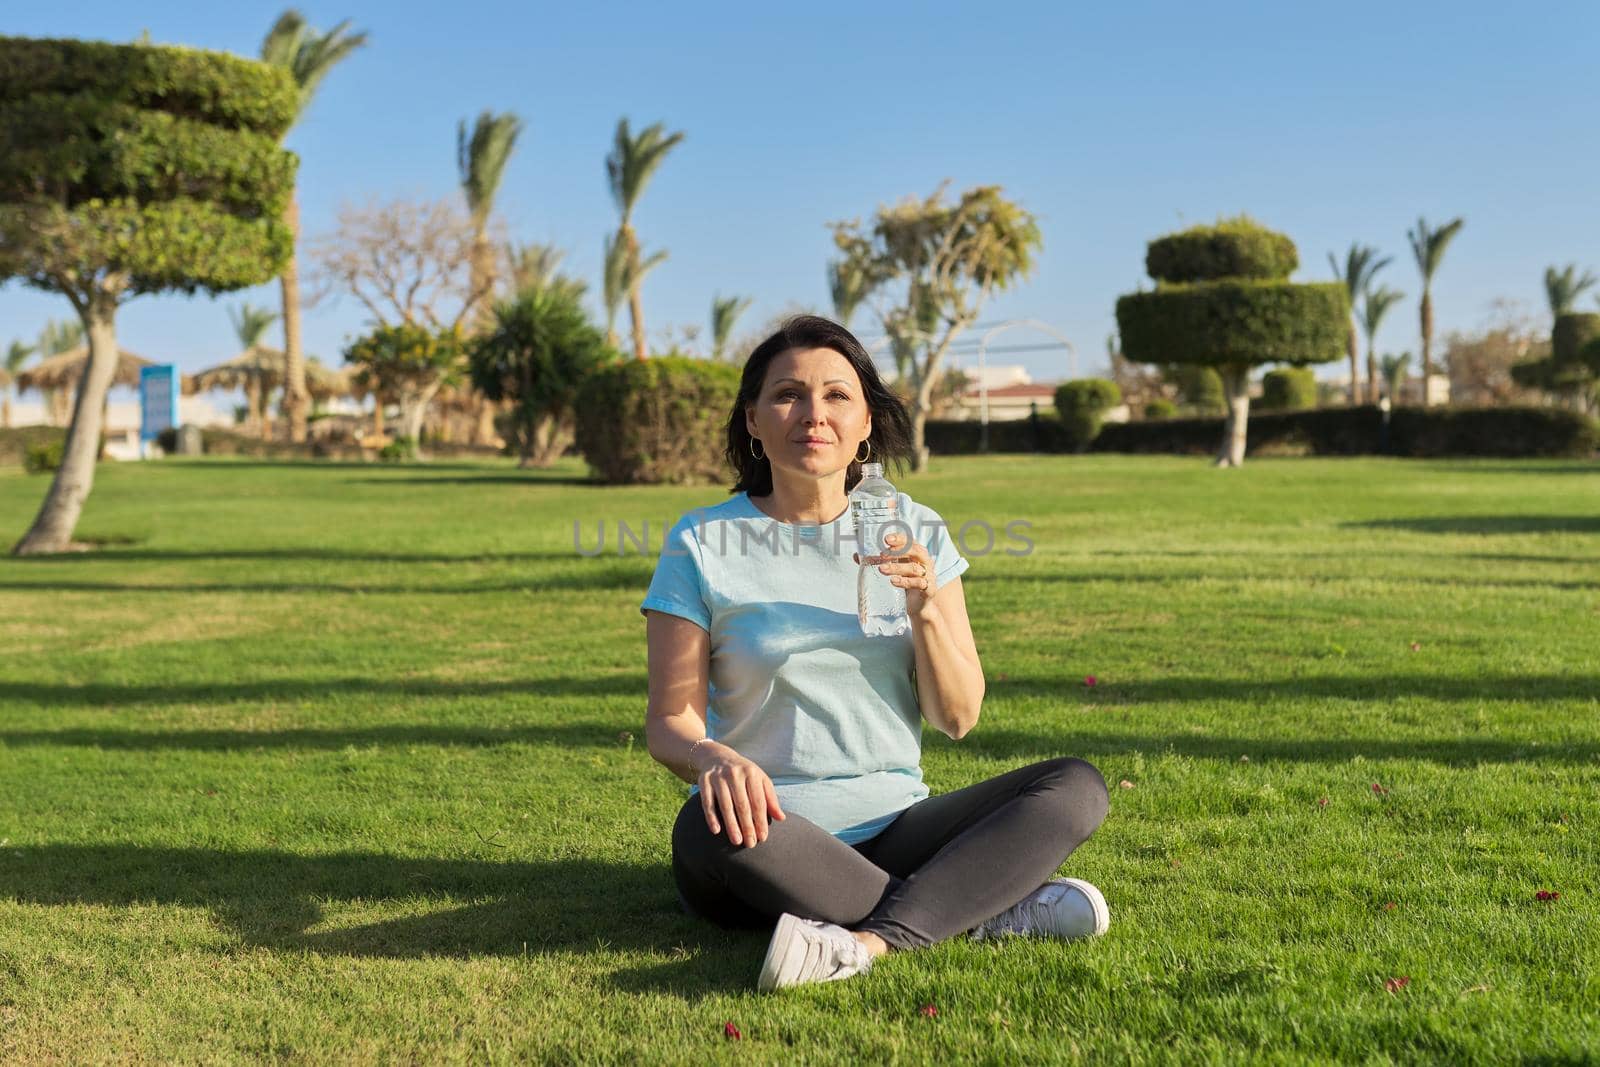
(657, 420)
(1232, 248)
(208, 86)
(1250, 322)
(1413, 432)
(76, 148)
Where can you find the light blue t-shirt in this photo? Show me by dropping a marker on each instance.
(829, 713)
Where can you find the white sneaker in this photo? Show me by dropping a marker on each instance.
(1062, 907)
(804, 950)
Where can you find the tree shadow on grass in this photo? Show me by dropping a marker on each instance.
(399, 735)
(1107, 742)
(598, 578)
(319, 554)
(1485, 524)
(1371, 687)
(297, 690)
(460, 907)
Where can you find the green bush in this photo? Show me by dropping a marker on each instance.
(15, 441)
(1082, 405)
(1242, 322)
(1160, 408)
(402, 449)
(657, 420)
(1573, 333)
(1232, 248)
(78, 148)
(1288, 389)
(208, 86)
(1344, 431)
(1199, 387)
(43, 457)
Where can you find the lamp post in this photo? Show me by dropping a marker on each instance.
(983, 382)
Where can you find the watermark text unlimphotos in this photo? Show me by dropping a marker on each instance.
(746, 537)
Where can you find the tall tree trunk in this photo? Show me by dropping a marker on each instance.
(296, 398)
(413, 410)
(252, 403)
(58, 515)
(5, 412)
(1236, 388)
(635, 304)
(1355, 374)
(1427, 347)
(1372, 368)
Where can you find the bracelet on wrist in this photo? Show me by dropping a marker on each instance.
(694, 745)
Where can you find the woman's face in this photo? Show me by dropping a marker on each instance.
(812, 414)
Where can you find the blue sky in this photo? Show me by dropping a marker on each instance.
(1114, 123)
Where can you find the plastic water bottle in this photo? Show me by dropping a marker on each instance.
(875, 507)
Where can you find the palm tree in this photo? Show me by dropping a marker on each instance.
(54, 339)
(1428, 246)
(1361, 264)
(481, 159)
(1394, 372)
(1375, 304)
(307, 55)
(724, 312)
(614, 284)
(628, 169)
(847, 285)
(250, 324)
(1563, 287)
(15, 357)
(537, 267)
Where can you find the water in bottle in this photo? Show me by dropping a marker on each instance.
(875, 507)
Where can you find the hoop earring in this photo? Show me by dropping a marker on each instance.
(863, 459)
(753, 442)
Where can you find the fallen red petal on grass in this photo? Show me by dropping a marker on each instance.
(1390, 906)
(1090, 681)
(731, 1032)
(1380, 790)
(1322, 802)
(1394, 985)
(1125, 784)
(1416, 646)
(930, 1010)
(1547, 895)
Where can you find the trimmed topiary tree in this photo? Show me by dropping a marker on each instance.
(1082, 405)
(1223, 300)
(1288, 389)
(129, 169)
(657, 420)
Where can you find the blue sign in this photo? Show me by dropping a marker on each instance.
(158, 400)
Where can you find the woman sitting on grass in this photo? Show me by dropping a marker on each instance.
(802, 734)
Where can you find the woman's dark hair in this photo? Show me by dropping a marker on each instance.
(891, 426)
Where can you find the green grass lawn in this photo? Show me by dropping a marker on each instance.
(345, 763)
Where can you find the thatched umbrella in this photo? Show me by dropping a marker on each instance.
(326, 383)
(258, 370)
(59, 376)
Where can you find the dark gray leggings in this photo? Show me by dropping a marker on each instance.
(945, 865)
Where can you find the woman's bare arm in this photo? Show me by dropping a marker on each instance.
(735, 793)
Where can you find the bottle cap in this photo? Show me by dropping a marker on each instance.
(872, 470)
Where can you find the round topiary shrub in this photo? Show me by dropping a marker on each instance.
(1160, 408)
(1572, 334)
(1232, 248)
(657, 420)
(1288, 389)
(1232, 323)
(1082, 405)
